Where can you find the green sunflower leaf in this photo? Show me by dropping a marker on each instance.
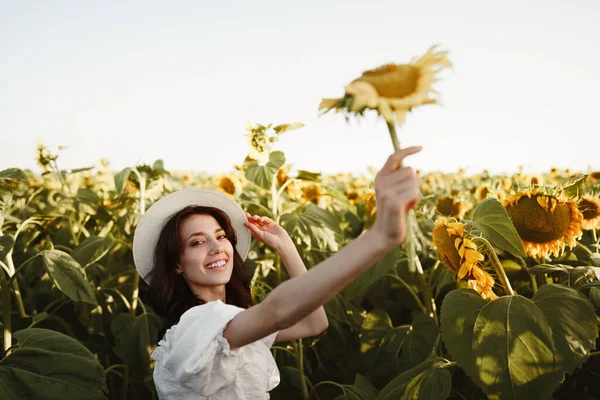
(67, 275)
(517, 348)
(50, 365)
(432, 384)
(121, 180)
(572, 319)
(357, 289)
(91, 250)
(263, 175)
(13, 173)
(134, 337)
(397, 386)
(491, 218)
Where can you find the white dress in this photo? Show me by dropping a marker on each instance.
(194, 360)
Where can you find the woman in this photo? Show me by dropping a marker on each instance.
(190, 245)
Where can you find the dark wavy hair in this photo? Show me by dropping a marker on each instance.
(168, 293)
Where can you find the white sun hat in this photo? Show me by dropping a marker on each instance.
(155, 218)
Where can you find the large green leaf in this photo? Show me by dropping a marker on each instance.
(434, 383)
(308, 176)
(87, 196)
(381, 343)
(397, 386)
(67, 274)
(362, 389)
(594, 295)
(91, 250)
(357, 289)
(45, 364)
(572, 320)
(121, 180)
(263, 175)
(134, 336)
(508, 346)
(313, 227)
(419, 342)
(13, 173)
(6, 196)
(491, 218)
(6, 244)
(575, 276)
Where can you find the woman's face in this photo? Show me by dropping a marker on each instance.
(204, 243)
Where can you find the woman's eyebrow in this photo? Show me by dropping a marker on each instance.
(202, 233)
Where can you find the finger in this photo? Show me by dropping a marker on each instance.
(252, 227)
(404, 174)
(393, 161)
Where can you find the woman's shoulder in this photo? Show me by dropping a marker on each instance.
(212, 313)
(214, 308)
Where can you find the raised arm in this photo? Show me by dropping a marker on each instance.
(397, 190)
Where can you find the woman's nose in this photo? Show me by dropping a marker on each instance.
(218, 248)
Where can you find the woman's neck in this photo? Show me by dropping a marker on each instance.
(210, 293)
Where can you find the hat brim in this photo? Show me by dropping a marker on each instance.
(154, 219)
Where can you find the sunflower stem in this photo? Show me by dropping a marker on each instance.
(413, 260)
(395, 141)
(497, 265)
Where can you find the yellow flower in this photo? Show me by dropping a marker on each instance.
(370, 203)
(460, 254)
(590, 209)
(392, 89)
(282, 176)
(450, 207)
(482, 192)
(312, 193)
(545, 222)
(353, 196)
(595, 176)
(227, 185)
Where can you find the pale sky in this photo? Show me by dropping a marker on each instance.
(135, 81)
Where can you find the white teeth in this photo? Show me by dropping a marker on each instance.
(216, 265)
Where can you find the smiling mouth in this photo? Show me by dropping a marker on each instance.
(219, 265)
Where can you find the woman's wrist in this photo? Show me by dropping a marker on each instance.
(285, 246)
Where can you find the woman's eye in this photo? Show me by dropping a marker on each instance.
(197, 241)
(223, 237)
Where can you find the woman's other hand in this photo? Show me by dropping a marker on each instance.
(268, 231)
(396, 191)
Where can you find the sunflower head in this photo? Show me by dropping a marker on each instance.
(545, 222)
(43, 156)
(227, 185)
(449, 206)
(259, 142)
(460, 254)
(392, 89)
(595, 175)
(282, 176)
(312, 193)
(370, 204)
(590, 209)
(481, 193)
(353, 196)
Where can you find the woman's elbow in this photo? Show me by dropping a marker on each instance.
(324, 324)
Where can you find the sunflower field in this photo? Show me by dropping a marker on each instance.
(494, 294)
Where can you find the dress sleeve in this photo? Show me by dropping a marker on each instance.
(194, 356)
(270, 339)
